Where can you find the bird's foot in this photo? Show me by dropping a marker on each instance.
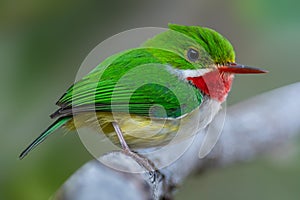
(153, 172)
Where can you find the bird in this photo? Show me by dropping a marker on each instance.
(140, 97)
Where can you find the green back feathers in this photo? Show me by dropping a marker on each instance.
(135, 82)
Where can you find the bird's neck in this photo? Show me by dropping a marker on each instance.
(214, 84)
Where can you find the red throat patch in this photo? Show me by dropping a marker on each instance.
(214, 84)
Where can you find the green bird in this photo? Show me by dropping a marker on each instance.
(139, 98)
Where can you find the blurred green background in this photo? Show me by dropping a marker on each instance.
(42, 44)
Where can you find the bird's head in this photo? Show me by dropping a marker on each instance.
(210, 57)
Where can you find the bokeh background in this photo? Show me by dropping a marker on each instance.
(42, 44)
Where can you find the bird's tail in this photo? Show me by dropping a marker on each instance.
(57, 124)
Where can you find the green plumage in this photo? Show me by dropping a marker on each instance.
(110, 86)
(219, 48)
(56, 125)
(145, 81)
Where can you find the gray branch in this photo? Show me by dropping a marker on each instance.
(251, 128)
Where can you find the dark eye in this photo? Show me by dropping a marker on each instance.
(192, 54)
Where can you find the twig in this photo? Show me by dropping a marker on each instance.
(252, 127)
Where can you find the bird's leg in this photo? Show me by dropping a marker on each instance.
(120, 136)
(141, 160)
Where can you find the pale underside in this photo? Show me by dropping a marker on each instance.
(145, 132)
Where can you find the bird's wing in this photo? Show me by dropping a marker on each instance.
(135, 82)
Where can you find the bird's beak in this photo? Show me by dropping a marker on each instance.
(240, 69)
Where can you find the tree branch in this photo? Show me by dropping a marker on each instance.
(252, 127)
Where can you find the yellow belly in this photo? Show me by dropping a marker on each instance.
(138, 131)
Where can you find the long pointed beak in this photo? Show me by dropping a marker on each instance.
(240, 69)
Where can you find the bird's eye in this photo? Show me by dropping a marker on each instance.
(192, 54)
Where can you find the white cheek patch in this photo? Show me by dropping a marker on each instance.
(185, 73)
